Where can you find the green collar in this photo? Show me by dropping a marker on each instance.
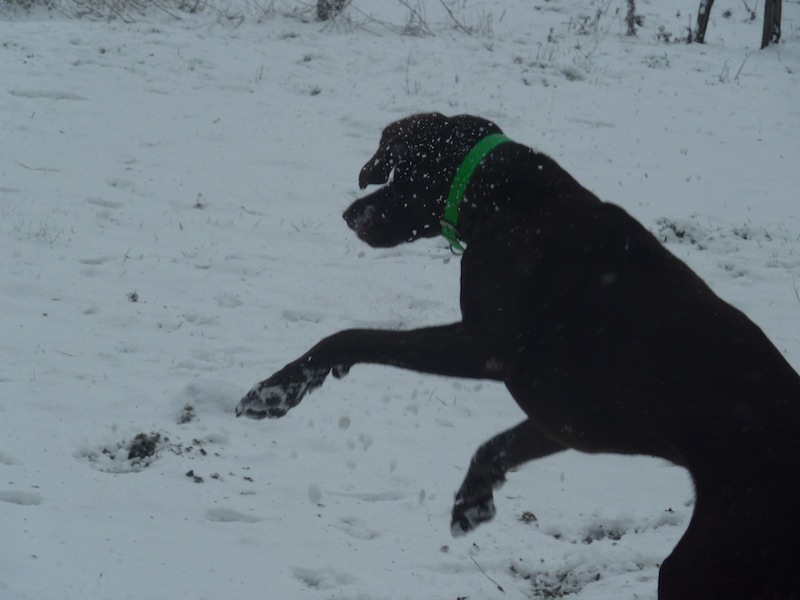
(460, 183)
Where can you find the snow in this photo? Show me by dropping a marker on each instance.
(171, 193)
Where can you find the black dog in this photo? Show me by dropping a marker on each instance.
(606, 340)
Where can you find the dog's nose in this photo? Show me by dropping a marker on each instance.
(347, 216)
(359, 218)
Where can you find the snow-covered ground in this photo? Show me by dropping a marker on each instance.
(170, 233)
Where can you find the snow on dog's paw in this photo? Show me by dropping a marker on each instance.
(474, 502)
(467, 517)
(263, 401)
(274, 397)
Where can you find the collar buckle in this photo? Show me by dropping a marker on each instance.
(450, 233)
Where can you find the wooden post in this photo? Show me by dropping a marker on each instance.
(702, 20)
(771, 33)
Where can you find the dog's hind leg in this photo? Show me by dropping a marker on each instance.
(741, 541)
(474, 503)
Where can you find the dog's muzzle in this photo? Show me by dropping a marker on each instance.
(361, 219)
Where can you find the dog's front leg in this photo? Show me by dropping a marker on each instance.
(450, 350)
(474, 503)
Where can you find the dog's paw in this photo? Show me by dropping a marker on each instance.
(469, 513)
(274, 397)
(474, 503)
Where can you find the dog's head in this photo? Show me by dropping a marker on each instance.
(418, 158)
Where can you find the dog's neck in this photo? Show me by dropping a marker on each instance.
(461, 181)
(514, 181)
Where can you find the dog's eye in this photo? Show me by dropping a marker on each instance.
(399, 150)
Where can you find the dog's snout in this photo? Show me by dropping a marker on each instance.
(359, 218)
(375, 224)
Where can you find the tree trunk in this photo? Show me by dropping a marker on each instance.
(772, 23)
(702, 20)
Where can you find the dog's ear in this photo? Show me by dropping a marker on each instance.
(395, 145)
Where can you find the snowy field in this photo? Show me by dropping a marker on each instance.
(171, 189)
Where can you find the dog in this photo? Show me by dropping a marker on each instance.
(607, 342)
